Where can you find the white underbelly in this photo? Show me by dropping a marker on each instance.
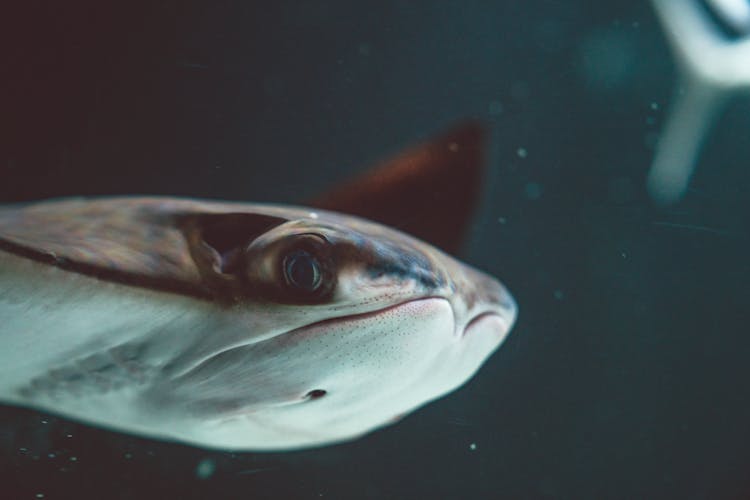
(54, 322)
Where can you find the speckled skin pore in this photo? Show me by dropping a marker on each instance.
(172, 318)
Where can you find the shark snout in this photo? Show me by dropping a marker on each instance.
(481, 300)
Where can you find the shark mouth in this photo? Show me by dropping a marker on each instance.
(487, 323)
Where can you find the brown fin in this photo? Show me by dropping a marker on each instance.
(429, 191)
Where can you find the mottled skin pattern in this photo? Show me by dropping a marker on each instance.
(175, 319)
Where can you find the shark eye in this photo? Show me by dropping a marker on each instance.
(296, 269)
(302, 271)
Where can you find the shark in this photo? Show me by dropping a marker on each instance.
(237, 326)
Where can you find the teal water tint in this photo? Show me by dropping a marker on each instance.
(626, 375)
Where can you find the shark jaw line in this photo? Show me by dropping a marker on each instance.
(300, 330)
(365, 315)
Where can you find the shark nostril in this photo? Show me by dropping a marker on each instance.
(316, 394)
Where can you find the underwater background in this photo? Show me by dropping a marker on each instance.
(627, 374)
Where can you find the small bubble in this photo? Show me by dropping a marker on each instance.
(558, 294)
(533, 191)
(40, 495)
(655, 106)
(51, 455)
(473, 446)
(522, 153)
(73, 459)
(45, 421)
(205, 468)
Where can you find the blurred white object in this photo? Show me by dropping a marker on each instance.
(735, 13)
(712, 67)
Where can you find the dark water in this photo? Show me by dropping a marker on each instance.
(627, 373)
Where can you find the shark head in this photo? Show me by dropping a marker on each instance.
(361, 324)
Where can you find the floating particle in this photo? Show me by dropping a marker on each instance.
(607, 59)
(533, 191)
(205, 468)
(473, 446)
(522, 153)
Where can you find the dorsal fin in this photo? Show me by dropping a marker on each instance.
(429, 191)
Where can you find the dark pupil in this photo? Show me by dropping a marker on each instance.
(302, 271)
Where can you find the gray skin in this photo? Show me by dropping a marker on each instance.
(233, 326)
